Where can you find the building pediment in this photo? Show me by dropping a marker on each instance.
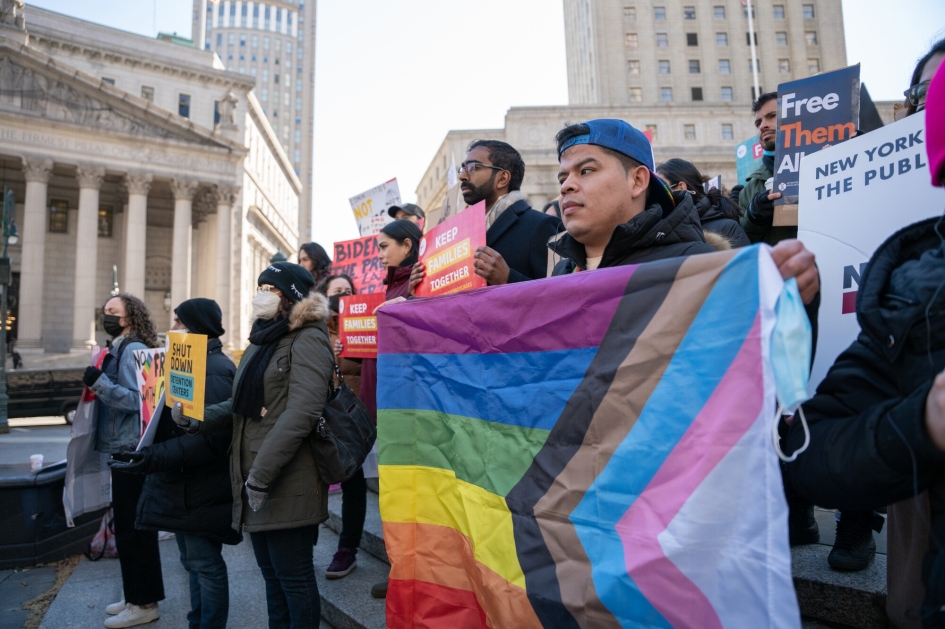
(32, 84)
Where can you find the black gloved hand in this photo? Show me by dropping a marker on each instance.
(91, 375)
(761, 209)
(733, 195)
(123, 455)
(136, 463)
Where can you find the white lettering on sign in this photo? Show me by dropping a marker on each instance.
(815, 104)
(444, 238)
(358, 308)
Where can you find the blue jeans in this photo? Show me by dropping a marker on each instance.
(209, 586)
(285, 559)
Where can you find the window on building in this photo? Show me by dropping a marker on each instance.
(652, 129)
(692, 39)
(299, 53)
(220, 12)
(253, 58)
(745, 13)
(287, 97)
(725, 66)
(183, 105)
(285, 134)
(780, 38)
(265, 43)
(636, 95)
(242, 57)
(256, 16)
(298, 104)
(242, 39)
(288, 47)
(630, 13)
(808, 12)
(631, 41)
(275, 78)
(243, 14)
(147, 93)
(784, 66)
(696, 93)
(297, 156)
(728, 132)
(727, 94)
(265, 59)
(232, 14)
(813, 66)
(230, 39)
(666, 94)
(721, 39)
(755, 67)
(662, 40)
(229, 57)
(659, 13)
(242, 70)
(219, 40)
(58, 216)
(277, 45)
(748, 38)
(266, 18)
(633, 67)
(664, 66)
(265, 95)
(265, 75)
(106, 215)
(252, 71)
(298, 85)
(689, 131)
(718, 13)
(778, 11)
(694, 66)
(108, 80)
(689, 13)
(811, 38)
(298, 136)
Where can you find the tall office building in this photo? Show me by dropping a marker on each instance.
(274, 42)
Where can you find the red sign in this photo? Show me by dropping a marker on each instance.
(447, 253)
(357, 325)
(358, 260)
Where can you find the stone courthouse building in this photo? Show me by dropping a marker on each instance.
(144, 156)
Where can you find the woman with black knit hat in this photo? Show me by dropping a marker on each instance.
(280, 390)
(187, 487)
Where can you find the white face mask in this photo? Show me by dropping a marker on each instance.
(265, 305)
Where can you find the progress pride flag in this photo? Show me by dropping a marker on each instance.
(447, 253)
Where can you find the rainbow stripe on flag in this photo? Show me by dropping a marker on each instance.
(587, 451)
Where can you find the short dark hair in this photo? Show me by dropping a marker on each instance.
(678, 170)
(402, 229)
(328, 279)
(937, 48)
(571, 131)
(505, 157)
(764, 98)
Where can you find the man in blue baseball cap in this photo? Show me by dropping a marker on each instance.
(617, 211)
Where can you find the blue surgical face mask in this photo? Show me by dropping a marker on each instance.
(790, 358)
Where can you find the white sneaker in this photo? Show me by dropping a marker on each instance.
(163, 536)
(132, 616)
(116, 608)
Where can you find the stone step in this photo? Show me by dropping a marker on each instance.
(372, 540)
(347, 603)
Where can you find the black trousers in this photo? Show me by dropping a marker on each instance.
(138, 551)
(353, 510)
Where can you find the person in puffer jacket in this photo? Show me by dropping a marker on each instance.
(187, 489)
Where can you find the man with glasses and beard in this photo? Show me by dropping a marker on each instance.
(516, 235)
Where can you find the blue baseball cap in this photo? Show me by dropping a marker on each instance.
(619, 136)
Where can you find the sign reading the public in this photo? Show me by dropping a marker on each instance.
(358, 260)
(813, 113)
(149, 372)
(186, 371)
(370, 207)
(357, 325)
(447, 253)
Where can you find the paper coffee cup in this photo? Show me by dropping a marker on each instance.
(36, 462)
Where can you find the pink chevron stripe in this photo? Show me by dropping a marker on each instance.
(730, 411)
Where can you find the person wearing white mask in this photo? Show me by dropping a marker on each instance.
(279, 392)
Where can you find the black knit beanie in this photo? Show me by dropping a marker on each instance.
(201, 316)
(292, 280)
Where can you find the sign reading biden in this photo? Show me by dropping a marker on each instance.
(813, 113)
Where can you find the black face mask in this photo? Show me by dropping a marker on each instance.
(112, 325)
(333, 302)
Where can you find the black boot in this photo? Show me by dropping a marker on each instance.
(854, 547)
(802, 527)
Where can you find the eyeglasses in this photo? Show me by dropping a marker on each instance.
(917, 92)
(471, 167)
(268, 288)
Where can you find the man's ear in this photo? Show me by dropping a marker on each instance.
(639, 181)
(503, 178)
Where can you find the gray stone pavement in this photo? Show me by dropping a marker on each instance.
(18, 587)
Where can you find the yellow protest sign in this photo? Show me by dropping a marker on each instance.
(186, 371)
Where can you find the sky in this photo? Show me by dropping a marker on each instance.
(392, 78)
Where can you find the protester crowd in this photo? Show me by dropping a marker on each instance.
(877, 422)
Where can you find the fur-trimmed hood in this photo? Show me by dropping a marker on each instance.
(312, 308)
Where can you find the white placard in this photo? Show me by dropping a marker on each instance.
(370, 207)
(853, 196)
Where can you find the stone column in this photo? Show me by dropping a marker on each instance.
(136, 232)
(36, 171)
(181, 253)
(86, 257)
(224, 267)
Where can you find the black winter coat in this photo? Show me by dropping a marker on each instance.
(521, 236)
(653, 234)
(867, 419)
(713, 219)
(187, 488)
